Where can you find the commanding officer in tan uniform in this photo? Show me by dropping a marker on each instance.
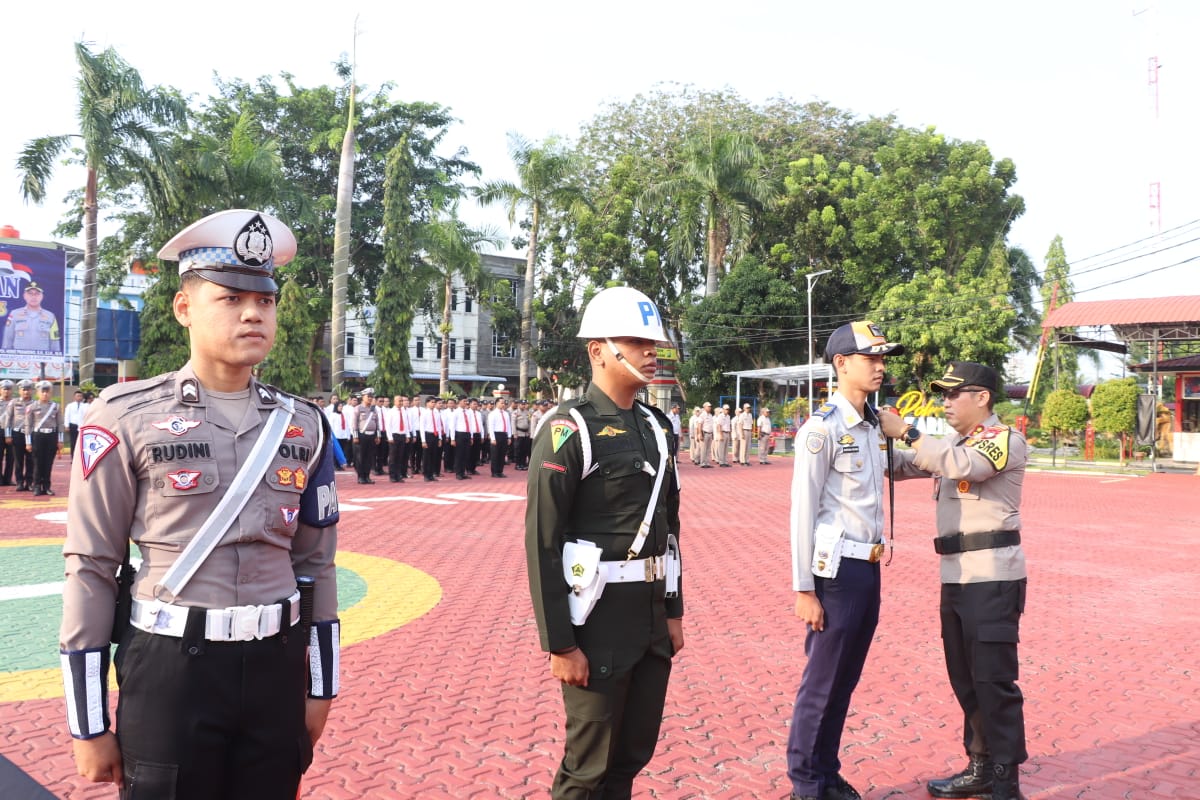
(602, 474)
(31, 327)
(226, 486)
(17, 435)
(6, 451)
(42, 424)
(977, 485)
(837, 538)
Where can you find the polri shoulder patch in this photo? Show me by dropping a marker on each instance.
(814, 442)
(94, 444)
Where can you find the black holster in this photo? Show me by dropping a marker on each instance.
(124, 607)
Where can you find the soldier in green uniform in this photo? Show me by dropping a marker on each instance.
(603, 508)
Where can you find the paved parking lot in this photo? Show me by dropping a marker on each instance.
(445, 694)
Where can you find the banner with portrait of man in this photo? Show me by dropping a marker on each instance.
(32, 305)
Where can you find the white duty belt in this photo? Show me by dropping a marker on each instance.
(862, 550)
(233, 624)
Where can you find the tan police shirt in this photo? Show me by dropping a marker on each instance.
(42, 417)
(977, 486)
(153, 461)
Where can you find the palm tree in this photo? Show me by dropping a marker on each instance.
(718, 184)
(123, 142)
(545, 178)
(452, 248)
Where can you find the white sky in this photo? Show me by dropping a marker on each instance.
(1059, 87)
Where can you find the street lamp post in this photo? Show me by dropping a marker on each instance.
(811, 278)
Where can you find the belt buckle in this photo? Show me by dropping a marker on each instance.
(649, 570)
(244, 623)
(876, 553)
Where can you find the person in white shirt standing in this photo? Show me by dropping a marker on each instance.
(499, 425)
(73, 416)
(764, 436)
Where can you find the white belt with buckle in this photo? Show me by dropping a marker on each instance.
(642, 570)
(47, 430)
(233, 624)
(862, 550)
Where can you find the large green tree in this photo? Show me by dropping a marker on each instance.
(544, 181)
(288, 364)
(1060, 365)
(717, 185)
(164, 345)
(122, 142)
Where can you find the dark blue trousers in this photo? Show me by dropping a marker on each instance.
(835, 663)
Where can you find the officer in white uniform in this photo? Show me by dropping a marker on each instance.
(837, 539)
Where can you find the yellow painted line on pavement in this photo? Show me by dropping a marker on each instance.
(396, 595)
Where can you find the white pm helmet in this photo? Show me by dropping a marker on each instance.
(621, 311)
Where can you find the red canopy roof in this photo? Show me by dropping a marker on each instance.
(1146, 311)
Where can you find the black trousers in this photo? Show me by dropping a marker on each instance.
(416, 454)
(836, 657)
(498, 451)
(226, 721)
(462, 454)
(431, 455)
(73, 437)
(980, 630)
(6, 463)
(521, 447)
(398, 457)
(23, 459)
(45, 448)
(348, 450)
(364, 455)
(382, 453)
(477, 448)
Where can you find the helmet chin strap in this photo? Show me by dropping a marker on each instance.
(633, 370)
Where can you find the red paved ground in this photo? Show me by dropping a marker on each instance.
(459, 703)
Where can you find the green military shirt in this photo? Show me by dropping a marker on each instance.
(604, 507)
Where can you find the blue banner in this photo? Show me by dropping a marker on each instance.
(32, 302)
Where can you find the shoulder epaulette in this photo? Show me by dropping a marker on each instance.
(156, 388)
(825, 410)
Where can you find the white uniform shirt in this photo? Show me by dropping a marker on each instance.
(837, 479)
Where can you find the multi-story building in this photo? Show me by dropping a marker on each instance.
(480, 357)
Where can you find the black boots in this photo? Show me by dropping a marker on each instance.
(973, 781)
(1006, 779)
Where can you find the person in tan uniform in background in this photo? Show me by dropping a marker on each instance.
(42, 425)
(978, 473)
(220, 696)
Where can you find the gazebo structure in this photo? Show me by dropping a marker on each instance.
(1153, 321)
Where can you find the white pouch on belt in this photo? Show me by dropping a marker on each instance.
(674, 566)
(581, 569)
(827, 550)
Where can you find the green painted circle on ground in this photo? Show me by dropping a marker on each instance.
(29, 637)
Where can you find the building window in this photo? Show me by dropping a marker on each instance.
(349, 344)
(439, 349)
(370, 345)
(501, 346)
(420, 347)
(453, 300)
(467, 303)
(467, 348)
(454, 349)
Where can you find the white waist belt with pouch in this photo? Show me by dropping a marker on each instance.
(233, 624)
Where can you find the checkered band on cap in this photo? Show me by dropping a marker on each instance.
(213, 256)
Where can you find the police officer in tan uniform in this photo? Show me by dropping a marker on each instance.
(615, 663)
(42, 425)
(6, 453)
(978, 474)
(226, 486)
(31, 327)
(17, 436)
